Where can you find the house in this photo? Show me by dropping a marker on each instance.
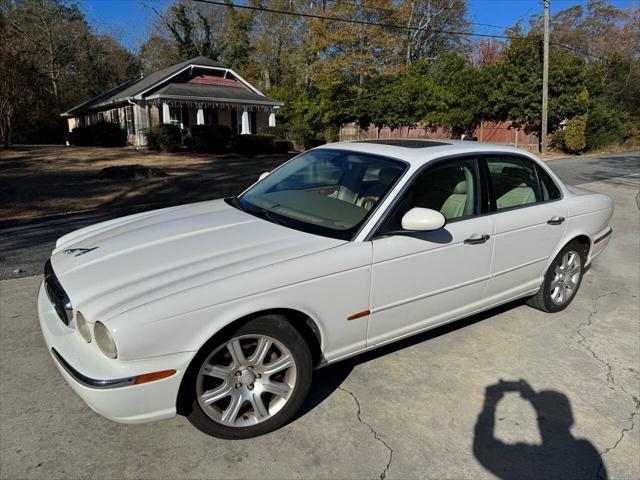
(199, 91)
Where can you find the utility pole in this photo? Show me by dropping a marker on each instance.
(545, 76)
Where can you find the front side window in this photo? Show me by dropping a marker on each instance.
(327, 192)
(515, 182)
(451, 188)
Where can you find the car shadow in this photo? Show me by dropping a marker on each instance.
(560, 455)
(327, 379)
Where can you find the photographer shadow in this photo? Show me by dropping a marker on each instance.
(560, 455)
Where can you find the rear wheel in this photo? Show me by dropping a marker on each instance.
(251, 381)
(562, 280)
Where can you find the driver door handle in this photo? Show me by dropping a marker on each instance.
(555, 220)
(477, 238)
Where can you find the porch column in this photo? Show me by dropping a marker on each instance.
(166, 116)
(272, 119)
(200, 115)
(246, 126)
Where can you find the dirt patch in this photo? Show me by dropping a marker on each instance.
(42, 181)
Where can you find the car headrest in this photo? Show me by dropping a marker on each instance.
(517, 175)
(460, 187)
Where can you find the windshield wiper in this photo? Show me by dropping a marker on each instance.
(261, 212)
(235, 202)
(268, 214)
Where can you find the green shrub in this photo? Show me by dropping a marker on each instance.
(210, 138)
(81, 137)
(606, 125)
(557, 140)
(109, 135)
(101, 134)
(254, 144)
(164, 137)
(280, 131)
(304, 138)
(574, 134)
(282, 146)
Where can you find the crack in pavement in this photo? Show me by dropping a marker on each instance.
(583, 340)
(375, 434)
(609, 377)
(622, 434)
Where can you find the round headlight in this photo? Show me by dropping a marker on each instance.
(104, 340)
(83, 328)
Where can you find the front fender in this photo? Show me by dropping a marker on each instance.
(327, 298)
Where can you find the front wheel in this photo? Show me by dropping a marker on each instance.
(562, 280)
(251, 381)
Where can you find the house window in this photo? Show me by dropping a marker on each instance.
(210, 116)
(174, 115)
(115, 116)
(97, 117)
(128, 115)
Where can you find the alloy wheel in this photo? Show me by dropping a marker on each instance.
(566, 277)
(246, 380)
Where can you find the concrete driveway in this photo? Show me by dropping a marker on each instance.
(432, 406)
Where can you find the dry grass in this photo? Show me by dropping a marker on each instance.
(41, 181)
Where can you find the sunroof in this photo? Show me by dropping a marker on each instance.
(406, 143)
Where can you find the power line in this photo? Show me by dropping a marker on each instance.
(385, 25)
(350, 20)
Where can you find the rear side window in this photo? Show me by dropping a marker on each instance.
(550, 190)
(515, 182)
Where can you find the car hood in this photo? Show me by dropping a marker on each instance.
(114, 266)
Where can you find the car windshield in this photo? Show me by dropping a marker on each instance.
(325, 191)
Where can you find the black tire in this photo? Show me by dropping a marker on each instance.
(273, 326)
(542, 300)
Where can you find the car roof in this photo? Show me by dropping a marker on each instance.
(419, 151)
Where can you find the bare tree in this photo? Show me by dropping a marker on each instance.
(51, 30)
(428, 21)
(14, 88)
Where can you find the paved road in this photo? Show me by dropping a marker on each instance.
(429, 407)
(623, 168)
(26, 248)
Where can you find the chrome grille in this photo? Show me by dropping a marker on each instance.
(57, 295)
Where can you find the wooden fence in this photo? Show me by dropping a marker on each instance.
(502, 133)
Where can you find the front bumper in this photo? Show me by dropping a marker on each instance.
(107, 385)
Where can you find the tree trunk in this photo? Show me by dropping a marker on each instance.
(266, 78)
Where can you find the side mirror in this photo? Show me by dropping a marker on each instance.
(263, 175)
(423, 220)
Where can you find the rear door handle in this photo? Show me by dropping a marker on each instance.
(476, 238)
(555, 220)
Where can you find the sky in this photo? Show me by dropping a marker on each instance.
(130, 20)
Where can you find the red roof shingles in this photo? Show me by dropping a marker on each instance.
(213, 80)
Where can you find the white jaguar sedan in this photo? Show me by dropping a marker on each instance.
(221, 310)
